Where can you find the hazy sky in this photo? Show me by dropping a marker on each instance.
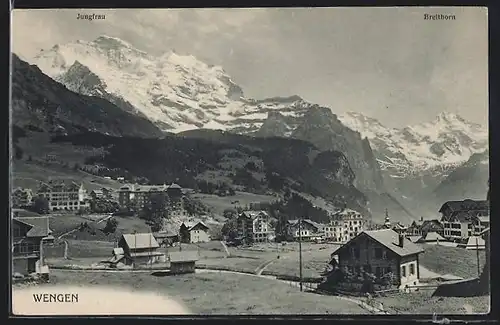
(388, 63)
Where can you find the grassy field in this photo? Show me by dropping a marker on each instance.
(452, 260)
(87, 252)
(314, 258)
(220, 203)
(62, 223)
(422, 303)
(216, 294)
(28, 175)
(313, 263)
(240, 264)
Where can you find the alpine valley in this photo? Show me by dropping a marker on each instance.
(178, 99)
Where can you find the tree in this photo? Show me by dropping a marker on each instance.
(155, 210)
(230, 229)
(41, 205)
(387, 279)
(368, 282)
(100, 205)
(229, 213)
(111, 225)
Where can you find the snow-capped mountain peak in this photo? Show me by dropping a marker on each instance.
(368, 127)
(177, 92)
(447, 140)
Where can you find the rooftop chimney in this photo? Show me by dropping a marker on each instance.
(421, 218)
(401, 240)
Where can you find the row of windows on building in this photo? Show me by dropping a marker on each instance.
(378, 253)
(260, 235)
(65, 203)
(26, 248)
(333, 229)
(345, 224)
(380, 271)
(454, 233)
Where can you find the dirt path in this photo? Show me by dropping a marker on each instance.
(263, 266)
(225, 248)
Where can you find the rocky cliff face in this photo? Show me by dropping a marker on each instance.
(469, 180)
(319, 126)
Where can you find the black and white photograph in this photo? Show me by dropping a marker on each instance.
(250, 161)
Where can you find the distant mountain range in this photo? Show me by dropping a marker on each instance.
(395, 168)
(435, 146)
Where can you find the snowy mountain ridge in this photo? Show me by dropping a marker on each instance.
(435, 146)
(177, 92)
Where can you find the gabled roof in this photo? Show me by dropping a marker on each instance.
(39, 226)
(461, 216)
(399, 226)
(346, 214)
(432, 221)
(471, 242)
(466, 205)
(60, 186)
(183, 256)
(433, 236)
(312, 223)
(190, 225)
(142, 240)
(416, 223)
(484, 218)
(174, 186)
(388, 238)
(253, 214)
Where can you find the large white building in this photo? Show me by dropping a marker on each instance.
(62, 196)
(255, 226)
(343, 226)
(139, 195)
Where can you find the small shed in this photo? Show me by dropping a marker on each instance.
(183, 262)
(118, 258)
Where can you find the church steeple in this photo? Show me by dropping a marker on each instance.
(387, 222)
